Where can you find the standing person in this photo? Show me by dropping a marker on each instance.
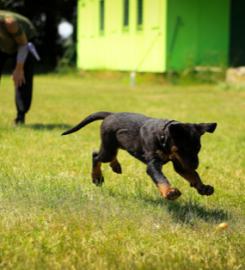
(15, 33)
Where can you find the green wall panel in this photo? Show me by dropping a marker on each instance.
(182, 32)
(197, 33)
(118, 48)
(213, 42)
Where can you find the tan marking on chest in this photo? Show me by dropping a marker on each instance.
(162, 155)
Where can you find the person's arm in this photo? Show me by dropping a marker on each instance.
(19, 36)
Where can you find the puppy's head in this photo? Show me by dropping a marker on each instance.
(184, 142)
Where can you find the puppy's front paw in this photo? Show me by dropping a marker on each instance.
(98, 181)
(206, 190)
(172, 194)
(168, 192)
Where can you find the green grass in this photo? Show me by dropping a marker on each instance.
(52, 217)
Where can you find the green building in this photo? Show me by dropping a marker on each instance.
(153, 35)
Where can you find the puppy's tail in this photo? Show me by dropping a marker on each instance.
(91, 118)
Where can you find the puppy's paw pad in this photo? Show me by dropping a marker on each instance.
(173, 194)
(206, 190)
(98, 181)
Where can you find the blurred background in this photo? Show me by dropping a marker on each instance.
(55, 21)
(170, 39)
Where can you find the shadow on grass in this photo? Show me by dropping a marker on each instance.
(38, 126)
(187, 211)
(191, 210)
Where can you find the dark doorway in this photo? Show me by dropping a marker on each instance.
(237, 33)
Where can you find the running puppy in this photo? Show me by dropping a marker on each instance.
(154, 142)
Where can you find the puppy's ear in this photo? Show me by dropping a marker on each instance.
(177, 130)
(205, 127)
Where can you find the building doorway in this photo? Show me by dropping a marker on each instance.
(237, 33)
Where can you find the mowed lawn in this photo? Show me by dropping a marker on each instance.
(53, 217)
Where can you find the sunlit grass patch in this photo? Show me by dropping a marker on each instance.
(53, 217)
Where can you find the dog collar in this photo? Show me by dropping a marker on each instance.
(163, 140)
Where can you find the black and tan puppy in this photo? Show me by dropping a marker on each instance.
(154, 142)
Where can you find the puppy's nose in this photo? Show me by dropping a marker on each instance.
(195, 164)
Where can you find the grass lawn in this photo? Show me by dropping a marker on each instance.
(53, 217)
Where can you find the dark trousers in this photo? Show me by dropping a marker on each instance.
(23, 94)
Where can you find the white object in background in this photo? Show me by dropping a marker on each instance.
(132, 78)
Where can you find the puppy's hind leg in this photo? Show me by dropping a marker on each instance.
(106, 154)
(115, 165)
(97, 176)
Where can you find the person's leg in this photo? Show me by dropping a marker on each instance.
(23, 94)
(3, 58)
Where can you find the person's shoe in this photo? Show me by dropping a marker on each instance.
(18, 121)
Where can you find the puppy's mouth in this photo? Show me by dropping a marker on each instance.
(181, 162)
(182, 165)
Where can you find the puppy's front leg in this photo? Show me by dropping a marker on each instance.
(195, 181)
(154, 170)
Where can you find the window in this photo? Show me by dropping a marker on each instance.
(140, 13)
(125, 13)
(102, 15)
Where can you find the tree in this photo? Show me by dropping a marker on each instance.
(45, 15)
